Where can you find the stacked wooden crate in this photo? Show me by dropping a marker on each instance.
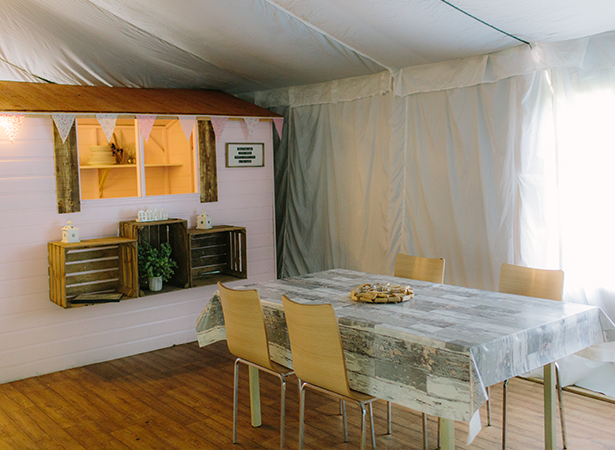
(173, 232)
(92, 266)
(217, 254)
(110, 265)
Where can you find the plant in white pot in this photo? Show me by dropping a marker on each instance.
(155, 265)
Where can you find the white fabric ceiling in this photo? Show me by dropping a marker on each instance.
(252, 45)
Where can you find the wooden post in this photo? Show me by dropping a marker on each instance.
(549, 402)
(67, 171)
(208, 174)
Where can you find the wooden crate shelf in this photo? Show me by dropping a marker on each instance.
(173, 231)
(217, 254)
(110, 265)
(92, 266)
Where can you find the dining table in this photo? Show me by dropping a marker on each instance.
(435, 353)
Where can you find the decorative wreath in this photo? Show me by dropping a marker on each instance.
(381, 293)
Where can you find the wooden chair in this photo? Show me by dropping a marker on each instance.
(422, 269)
(540, 283)
(246, 337)
(417, 268)
(319, 362)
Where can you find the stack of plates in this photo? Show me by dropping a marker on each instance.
(101, 156)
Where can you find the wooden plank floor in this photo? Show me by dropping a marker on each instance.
(181, 398)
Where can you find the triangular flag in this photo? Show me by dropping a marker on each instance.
(107, 122)
(64, 122)
(11, 124)
(251, 122)
(146, 123)
(218, 123)
(187, 123)
(279, 125)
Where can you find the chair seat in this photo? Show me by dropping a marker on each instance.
(280, 368)
(361, 397)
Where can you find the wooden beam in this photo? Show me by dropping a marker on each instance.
(208, 174)
(67, 171)
(51, 98)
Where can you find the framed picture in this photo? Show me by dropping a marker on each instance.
(245, 155)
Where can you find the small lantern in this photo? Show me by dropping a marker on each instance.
(203, 222)
(70, 233)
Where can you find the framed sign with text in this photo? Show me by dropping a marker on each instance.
(245, 155)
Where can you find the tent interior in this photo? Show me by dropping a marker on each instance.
(472, 130)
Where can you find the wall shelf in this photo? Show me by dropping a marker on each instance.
(171, 231)
(163, 165)
(127, 166)
(217, 254)
(109, 265)
(110, 166)
(92, 265)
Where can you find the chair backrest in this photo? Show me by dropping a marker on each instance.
(417, 268)
(246, 332)
(316, 345)
(540, 283)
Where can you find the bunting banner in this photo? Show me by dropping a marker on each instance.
(218, 123)
(251, 123)
(11, 124)
(187, 123)
(279, 125)
(146, 123)
(107, 122)
(64, 122)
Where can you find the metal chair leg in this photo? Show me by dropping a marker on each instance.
(488, 407)
(504, 414)
(301, 414)
(363, 433)
(439, 437)
(343, 406)
(425, 440)
(371, 423)
(341, 410)
(389, 418)
(282, 410)
(561, 404)
(235, 400)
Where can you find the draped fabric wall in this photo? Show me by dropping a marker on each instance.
(433, 174)
(469, 170)
(337, 184)
(584, 109)
(463, 169)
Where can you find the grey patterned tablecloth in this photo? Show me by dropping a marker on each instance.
(437, 352)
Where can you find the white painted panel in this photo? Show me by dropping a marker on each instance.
(37, 336)
(23, 269)
(30, 201)
(25, 185)
(26, 167)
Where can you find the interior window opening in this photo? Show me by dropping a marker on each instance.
(129, 166)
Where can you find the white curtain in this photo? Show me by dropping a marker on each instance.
(337, 187)
(584, 110)
(512, 168)
(438, 174)
(465, 173)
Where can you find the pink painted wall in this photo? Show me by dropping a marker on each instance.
(37, 336)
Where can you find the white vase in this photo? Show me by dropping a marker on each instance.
(155, 283)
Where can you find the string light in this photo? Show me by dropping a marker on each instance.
(11, 124)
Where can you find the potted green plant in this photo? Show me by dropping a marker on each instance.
(155, 265)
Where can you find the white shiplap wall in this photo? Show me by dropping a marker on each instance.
(37, 336)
